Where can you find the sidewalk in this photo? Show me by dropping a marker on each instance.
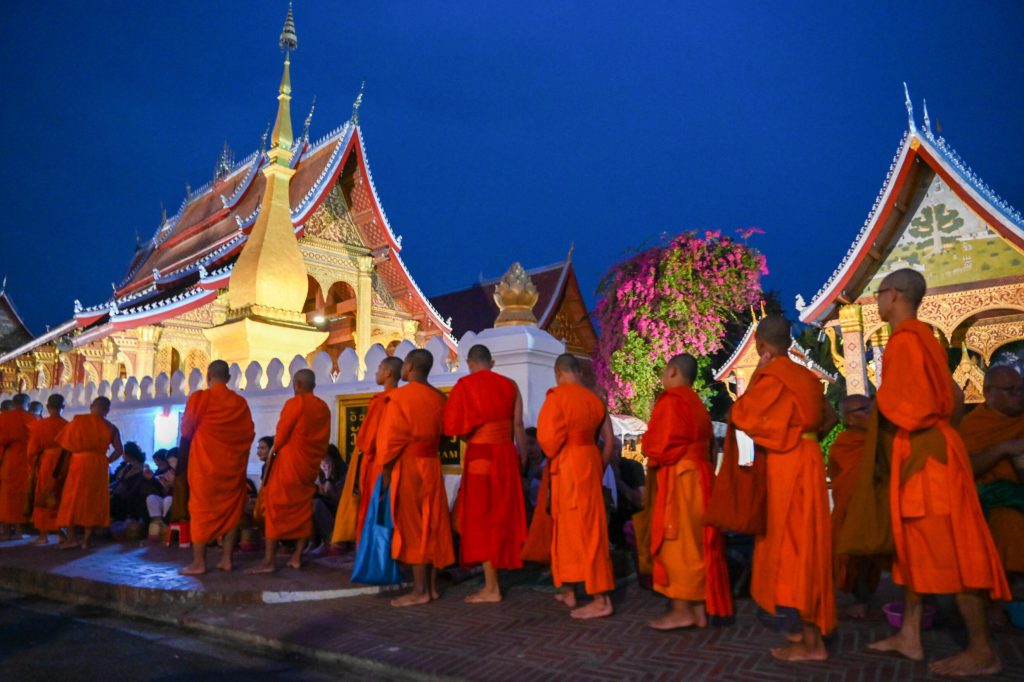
(317, 612)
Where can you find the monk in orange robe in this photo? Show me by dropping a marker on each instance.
(362, 471)
(537, 547)
(994, 434)
(857, 575)
(300, 445)
(943, 545)
(15, 468)
(407, 449)
(567, 428)
(85, 499)
(218, 426)
(45, 452)
(688, 557)
(783, 410)
(486, 410)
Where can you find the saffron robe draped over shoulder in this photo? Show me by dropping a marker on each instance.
(15, 468)
(688, 557)
(943, 544)
(781, 411)
(45, 451)
(408, 437)
(844, 459)
(490, 508)
(981, 429)
(362, 474)
(567, 432)
(219, 426)
(300, 444)
(85, 500)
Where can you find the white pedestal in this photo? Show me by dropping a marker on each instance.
(526, 355)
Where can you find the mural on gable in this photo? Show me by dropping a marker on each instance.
(948, 243)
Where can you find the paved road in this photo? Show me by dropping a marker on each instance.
(41, 640)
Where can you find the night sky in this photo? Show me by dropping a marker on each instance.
(497, 131)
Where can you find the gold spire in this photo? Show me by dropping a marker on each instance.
(282, 138)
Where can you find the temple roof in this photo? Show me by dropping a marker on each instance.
(920, 150)
(744, 352)
(473, 309)
(13, 332)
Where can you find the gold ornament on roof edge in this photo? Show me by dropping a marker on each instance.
(515, 296)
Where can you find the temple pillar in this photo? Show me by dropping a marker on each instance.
(108, 362)
(364, 310)
(878, 341)
(145, 355)
(851, 323)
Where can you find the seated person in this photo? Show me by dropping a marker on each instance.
(158, 502)
(130, 486)
(329, 484)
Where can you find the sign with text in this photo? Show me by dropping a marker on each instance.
(352, 412)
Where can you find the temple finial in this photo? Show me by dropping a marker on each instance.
(358, 103)
(263, 138)
(224, 163)
(3, 285)
(910, 108)
(309, 119)
(281, 139)
(572, 247)
(927, 121)
(163, 213)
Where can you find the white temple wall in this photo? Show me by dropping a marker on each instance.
(148, 410)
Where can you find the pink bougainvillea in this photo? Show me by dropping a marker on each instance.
(670, 299)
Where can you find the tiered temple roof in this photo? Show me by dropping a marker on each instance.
(13, 332)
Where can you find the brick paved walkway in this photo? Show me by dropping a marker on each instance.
(529, 636)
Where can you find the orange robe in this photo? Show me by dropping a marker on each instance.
(15, 469)
(303, 433)
(85, 500)
(982, 429)
(844, 459)
(943, 544)
(490, 507)
(361, 477)
(45, 452)
(537, 547)
(219, 427)
(688, 557)
(408, 438)
(567, 431)
(782, 411)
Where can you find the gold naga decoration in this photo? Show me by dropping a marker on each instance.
(515, 296)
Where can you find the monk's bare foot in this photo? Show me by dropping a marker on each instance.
(434, 595)
(905, 646)
(484, 596)
(566, 597)
(68, 544)
(599, 608)
(411, 599)
(294, 563)
(41, 540)
(193, 569)
(225, 565)
(799, 651)
(857, 611)
(982, 661)
(262, 568)
(676, 620)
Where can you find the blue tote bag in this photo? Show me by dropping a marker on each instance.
(373, 564)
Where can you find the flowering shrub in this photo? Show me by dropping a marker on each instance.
(666, 300)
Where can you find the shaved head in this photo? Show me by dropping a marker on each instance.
(100, 406)
(479, 354)
(774, 331)
(392, 366)
(686, 366)
(304, 380)
(20, 400)
(567, 362)
(7, 406)
(1004, 390)
(218, 371)
(855, 402)
(56, 401)
(1001, 374)
(420, 361)
(856, 409)
(908, 282)
(36, 408)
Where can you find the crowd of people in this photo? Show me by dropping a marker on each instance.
(916, 488)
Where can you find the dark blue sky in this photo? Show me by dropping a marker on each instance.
(497, 131)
